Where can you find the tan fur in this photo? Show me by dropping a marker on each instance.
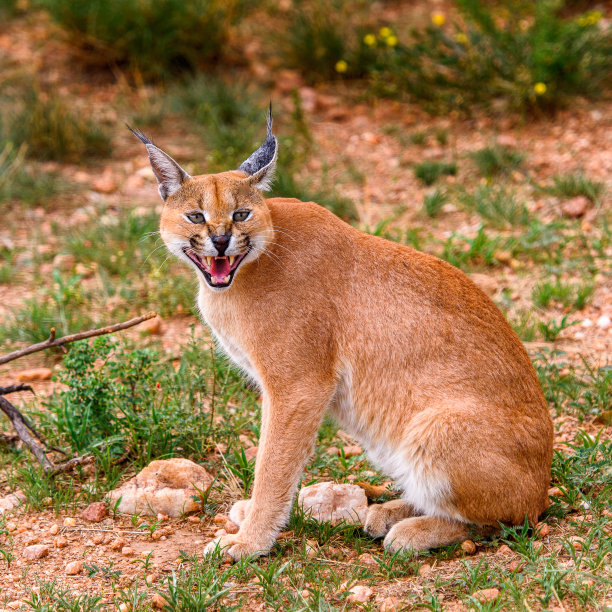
(400, 347)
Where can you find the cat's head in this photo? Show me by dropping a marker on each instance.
(216, 223)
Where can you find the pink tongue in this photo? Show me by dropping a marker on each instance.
(220, 267)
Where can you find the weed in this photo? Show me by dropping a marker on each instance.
(52, 597)
(433, 202)
(52, 131)
(496, 205)
(430, 171)
(551, 329)
(576, 184)
(243, 469)
(569, 295)
(463, 252)
(154, 39)
(496, 159)
(418, 137)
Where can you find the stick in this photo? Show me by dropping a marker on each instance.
(53, 342)
(15, 389)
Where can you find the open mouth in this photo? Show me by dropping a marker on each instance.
(218, 271)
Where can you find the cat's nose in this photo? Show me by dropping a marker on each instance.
(221, 242)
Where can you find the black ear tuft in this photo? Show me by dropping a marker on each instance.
(140, 135)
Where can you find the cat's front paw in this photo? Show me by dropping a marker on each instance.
(235, 546)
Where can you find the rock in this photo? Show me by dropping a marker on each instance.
(372, 491)
(332, 450)
(159, 602)
(312, 549)
(542, 530)
(328, 501)
(8, 502)
(424, 569)
(165, 486)
(516, 566)
(555, 492)
(64, 261)
(220, 519)
(575, 207)
(60, 542)
(117, 544)
(105, 183)
(604, 322)
(34, 374)
(193, 519)
(127, 551)
(486, 595)
(468, 547)
(73, 568)
(98, 539)
(504, 549)
(352, 451)
(152, 326)
(95, 512)
(390, 604)
(231, 527)
(359, 594)
(83, 270)
(70, 521)
(368, 560)
(36, 551)
(54, 529)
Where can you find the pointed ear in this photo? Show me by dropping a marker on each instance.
(170, 176)
(261, 164)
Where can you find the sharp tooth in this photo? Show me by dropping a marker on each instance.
(213, 280)
(226, 279)
(231, 258)
(208, 261)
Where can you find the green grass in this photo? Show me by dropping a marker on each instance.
(576, 184)
(496, 205)
(433, 202)
(429, 172)
(496, 159)
(569, 295)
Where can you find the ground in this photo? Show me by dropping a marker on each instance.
(81, 256)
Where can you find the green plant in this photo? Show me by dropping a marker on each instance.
(430, 171)
(576, 184)
(496, 159)
(433, 202)
(153, 38)
(496, 205)
(52, 131)
(569, 295)
(551, 329)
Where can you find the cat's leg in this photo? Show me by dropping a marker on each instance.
(424, 532)
(381, 517)
(290, 421)
(239, 511)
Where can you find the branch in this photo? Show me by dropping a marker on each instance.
(15, 389)
(52, 342)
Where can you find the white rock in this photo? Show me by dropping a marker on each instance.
(587, 323)
(165, 487)
(604, 322)
(328, 501)
(8, 502)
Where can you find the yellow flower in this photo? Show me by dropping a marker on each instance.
(438, 19)
(461, 38)
(385, 32)
(369, 39)
(341, 66)
(392, 41)
(540, 88)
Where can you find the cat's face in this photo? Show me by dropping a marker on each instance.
(217, 224)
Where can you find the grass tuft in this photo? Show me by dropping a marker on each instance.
(429, 172)
(497, 159)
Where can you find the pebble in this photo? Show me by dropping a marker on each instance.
(231, 527)
(14, 605)
(73, 568)
(587, 323)
(486, 595)
(36, 551)
(359, 594)
(98, 538)
(424, 569)
(193, 519)
(159, 602)
(123, 607)
(390, 604)
(604, 322)
(34, 374)
(352, 451)
(118, 544)
(542, 530)
(220, 532)
(516, 566)
(95, 512)
(220, 519)
(127, 551)
(368, 560)
(60, 542)
(555, 492)
(70, 521)
(504, 549)
(152, 326)
(251, 453)
(312, 549)
(575, 207)
(468, 547)
(54, 529)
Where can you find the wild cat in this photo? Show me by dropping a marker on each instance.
(401, 348)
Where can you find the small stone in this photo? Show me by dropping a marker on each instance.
(328, 501)
(162, 517)
(577, 543)
(31, 539)
(555, 492)
(60, 542)
(105, 183)
(14, 605)
(504, 549)
(390, 604)
(359, 594)
(468, 547)
(424, 569)
(98, 538)
(159, 602)
(127, 551)
(152, 326)
(73, 568)
(54, 529)
(604, 322)
(11, 526)
(34, 374)
(220, 519)
(69, 521)
(542, 530)
(117, 544)
(516, 566)
(36, 551)
(193, 519)
(504, 257)
(123, 607)
(587, 323)
(537, 546)
(231, 527)
(352, 451)
(145, 553)
(95, 512)
(332, 450)
(575, 207)
(220, 532)
(312, 549)
(486, 595)
(368, 560)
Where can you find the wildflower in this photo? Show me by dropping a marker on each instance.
(369, 39)
(540, 88)
(157, 385)
(461, 38)
(438, 19)
(391, 41)
(385, 32)
(341, 66)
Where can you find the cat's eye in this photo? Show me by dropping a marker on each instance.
(196, 217)
(241, 215)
